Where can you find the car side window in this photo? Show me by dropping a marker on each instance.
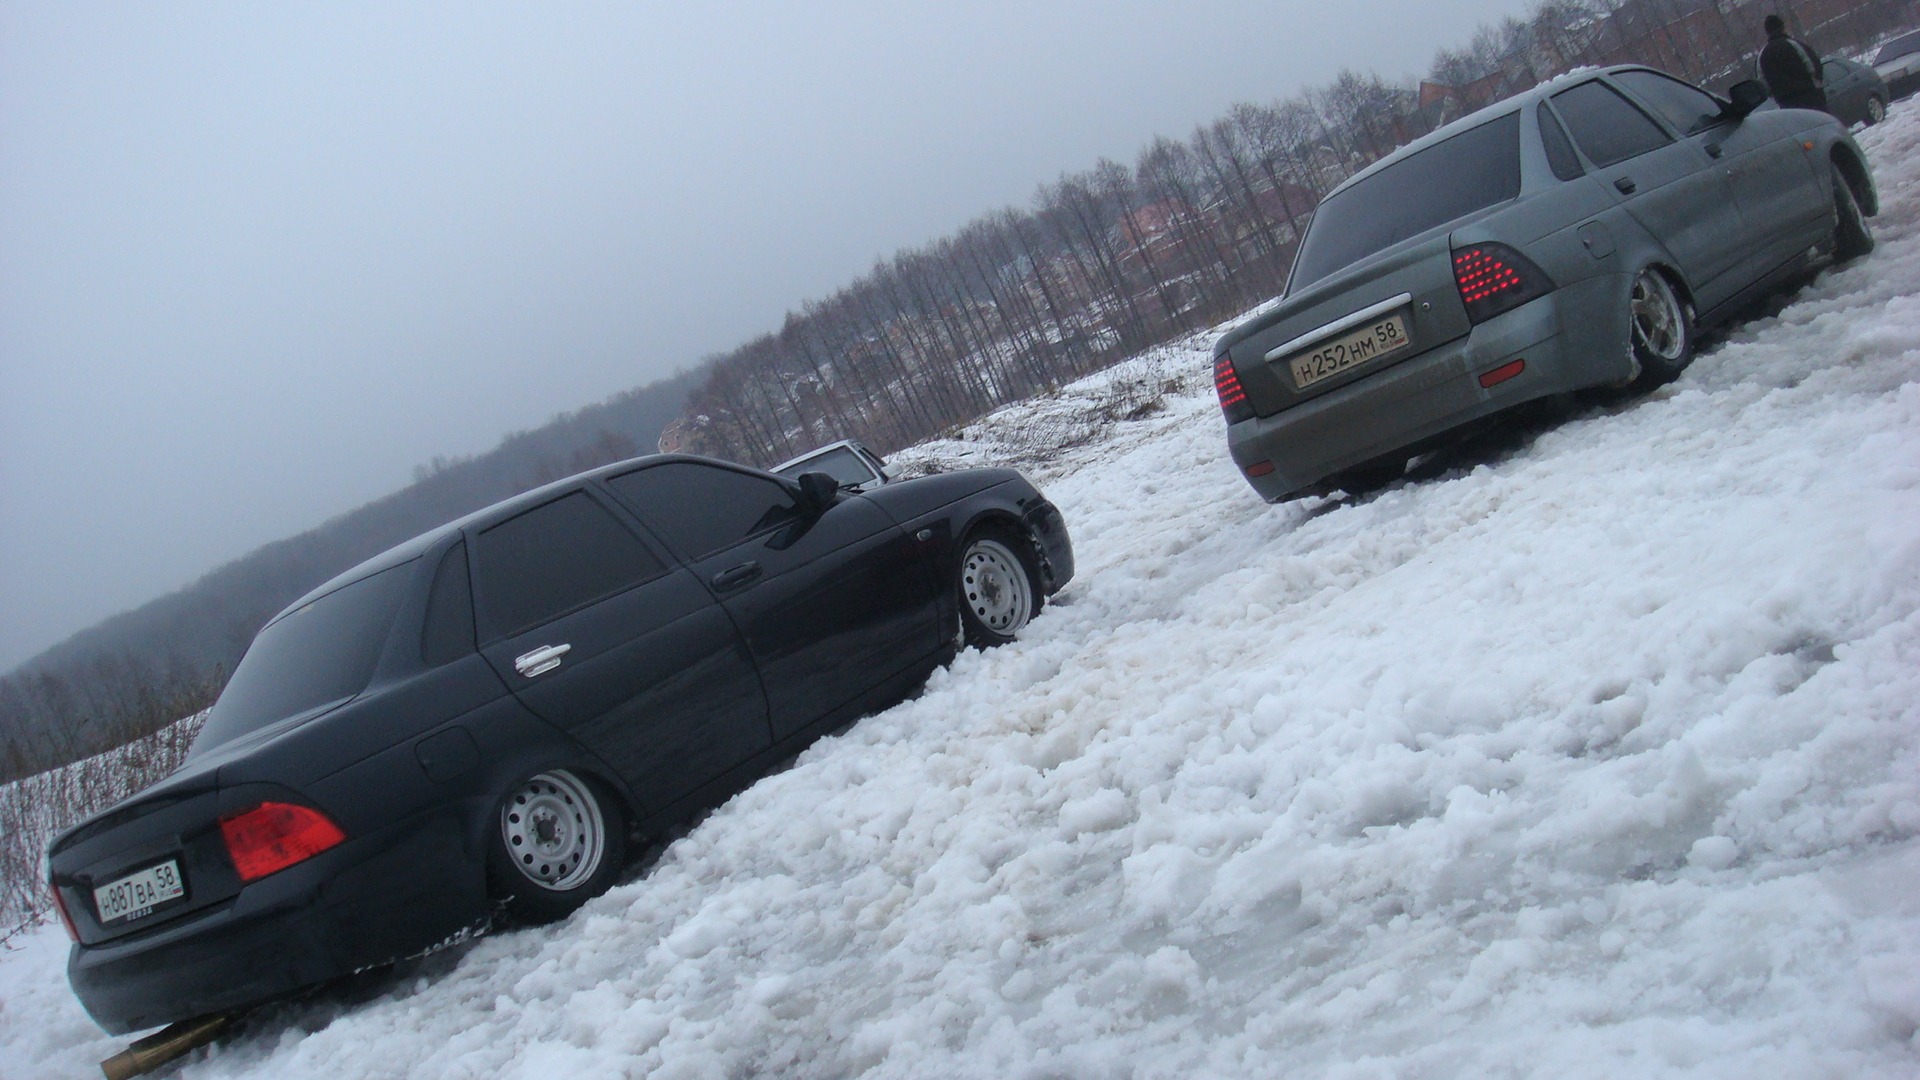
(699, 509)
(1607, 126)
(447, 633)
(1560, 156)
(554, 559)
(1689, 109)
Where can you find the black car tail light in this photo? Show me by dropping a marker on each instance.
(1233, 397)
(273, 836)
(1494, 278)
(60, 905)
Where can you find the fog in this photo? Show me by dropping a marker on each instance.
(259, 261)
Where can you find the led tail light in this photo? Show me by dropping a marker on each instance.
(1494, 278)
(1233, 398)
(274, 835)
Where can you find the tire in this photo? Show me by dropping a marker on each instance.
(1661, 333)
(1852, 237)
(560, 840)
(1876, 109)
(998, 586)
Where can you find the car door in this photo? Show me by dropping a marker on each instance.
(612, 641)
(830, 606)
(1669, 186)
(1770, 176)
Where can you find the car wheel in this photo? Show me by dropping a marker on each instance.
(1662, 335)
(1876, 110)
(560, 842)
(1852, 237)
(999, 587)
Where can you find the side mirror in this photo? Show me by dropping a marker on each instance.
(1747, 95)
(817, 491)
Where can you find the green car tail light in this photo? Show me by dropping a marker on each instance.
(1494, 279)
(1233, 397)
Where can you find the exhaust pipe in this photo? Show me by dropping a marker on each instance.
(167, 1044)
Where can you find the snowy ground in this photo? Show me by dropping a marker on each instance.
(1598, 757)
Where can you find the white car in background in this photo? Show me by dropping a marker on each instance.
(847, 461)
(1898, 62)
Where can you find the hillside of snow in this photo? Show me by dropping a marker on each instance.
(1593, 755)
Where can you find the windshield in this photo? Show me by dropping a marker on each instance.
(1448, 180)
(320, 653)
(1898, 47)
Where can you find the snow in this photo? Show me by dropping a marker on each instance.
(1592, 755)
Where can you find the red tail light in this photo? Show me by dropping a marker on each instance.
(1233, 399)
(1494, 278)
(60, 905)
(273, 836)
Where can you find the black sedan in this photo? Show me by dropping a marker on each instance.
(484, 719)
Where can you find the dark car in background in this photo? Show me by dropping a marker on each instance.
(483, 718)
(1571, 237)
(1855, 92)
(1898, 62)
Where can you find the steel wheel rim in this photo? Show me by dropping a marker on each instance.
(1656, 316)
(1876, 110)
(994, 584)
(554, 831)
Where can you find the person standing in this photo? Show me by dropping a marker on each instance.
(1791, 69)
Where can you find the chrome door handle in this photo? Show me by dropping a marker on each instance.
(541, 660)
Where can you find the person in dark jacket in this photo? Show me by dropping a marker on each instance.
(1791, 69)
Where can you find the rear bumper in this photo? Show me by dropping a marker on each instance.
(1573, 338)
(373, 899)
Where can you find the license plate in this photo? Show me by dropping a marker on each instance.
(1330, 358)
(135, 895)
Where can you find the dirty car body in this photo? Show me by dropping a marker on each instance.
(455, 716)
(1517, 254)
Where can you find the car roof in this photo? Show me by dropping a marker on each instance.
(1486, 114)
(442, 536)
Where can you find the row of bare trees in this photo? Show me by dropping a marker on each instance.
(1116, 258)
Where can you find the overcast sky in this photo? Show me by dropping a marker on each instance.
(257, 261)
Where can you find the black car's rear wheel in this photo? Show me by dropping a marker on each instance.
(1662, 335)
(1876, 110)
(561, 841)
(1852, 237)
(999, 587)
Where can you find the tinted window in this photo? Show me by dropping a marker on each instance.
(321, 653)
(1446, 181)
(448, 632)
(700, 509)
(552, 560)
(1607, 126)
(841, 463)
(1688, 109)
(1560, 156)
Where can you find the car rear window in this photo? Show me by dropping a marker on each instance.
(1473, 170)
(320, 653)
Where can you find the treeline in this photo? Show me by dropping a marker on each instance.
(139, 671)
(1118, 258)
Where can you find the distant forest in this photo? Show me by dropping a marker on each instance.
(138, 671)
(1107, 262)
